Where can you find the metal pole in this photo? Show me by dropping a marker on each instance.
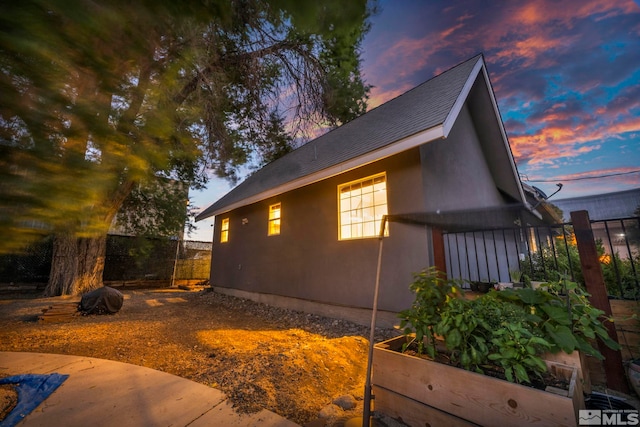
(175, 264)
(366, 417)
(175, 260)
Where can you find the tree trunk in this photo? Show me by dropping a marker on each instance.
(77, 265)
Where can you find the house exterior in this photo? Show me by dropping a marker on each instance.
(302, 232)
(614, 219)
(620, 204)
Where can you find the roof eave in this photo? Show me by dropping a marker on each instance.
(503, 132)
(399, 146)
(453, 114)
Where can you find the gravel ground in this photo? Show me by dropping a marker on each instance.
(306, 368)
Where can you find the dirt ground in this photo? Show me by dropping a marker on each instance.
(294, 364)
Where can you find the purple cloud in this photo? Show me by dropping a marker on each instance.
(566, 74)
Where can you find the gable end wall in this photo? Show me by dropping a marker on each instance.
(456, 175)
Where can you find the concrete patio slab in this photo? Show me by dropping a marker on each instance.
(106, 393)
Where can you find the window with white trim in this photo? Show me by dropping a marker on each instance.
(224, 230)
(274, 219)
(361, 206)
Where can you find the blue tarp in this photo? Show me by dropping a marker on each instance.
(33, 389)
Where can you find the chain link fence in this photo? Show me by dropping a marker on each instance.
(193, 261)
(31, 266)
(127, 259)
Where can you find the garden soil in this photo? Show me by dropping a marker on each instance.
(294, 364)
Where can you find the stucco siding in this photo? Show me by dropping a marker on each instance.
(308, 261)
(456, 175)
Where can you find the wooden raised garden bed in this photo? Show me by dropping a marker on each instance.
(423, 392)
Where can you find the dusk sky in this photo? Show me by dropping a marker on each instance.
(566, 75)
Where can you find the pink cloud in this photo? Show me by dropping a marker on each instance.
(553, 142)
(608, 9)
(564, 133)
(631, 125)
(597, 181)
(517, 33)
(448, 31)
(379, 96)
(406, 55)
(525, 33)
(594, 186)
(525, 43)
(527, 52)
(542, 11)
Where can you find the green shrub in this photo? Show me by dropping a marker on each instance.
(561, 260)
(511, 329)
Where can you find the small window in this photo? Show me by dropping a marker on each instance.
(361, 205)
(224, 230)
(274, 219)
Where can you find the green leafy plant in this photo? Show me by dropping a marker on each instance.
(621, 275)
(463, 334)
(510, 329)
(563, 316)
(553, 263)
(518, 352)
(432, 291)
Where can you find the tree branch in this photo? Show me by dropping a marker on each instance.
(232, 59)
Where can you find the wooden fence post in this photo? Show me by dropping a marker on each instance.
(439, 256)
(594, 282)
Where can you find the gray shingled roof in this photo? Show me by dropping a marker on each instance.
(417, 110)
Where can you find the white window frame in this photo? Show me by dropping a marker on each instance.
(275, 221)
(224, 230)
(361, 205)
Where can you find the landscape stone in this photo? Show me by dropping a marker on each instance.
(330, 411)
(346, 402)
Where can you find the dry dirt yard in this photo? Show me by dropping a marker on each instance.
(294, 364)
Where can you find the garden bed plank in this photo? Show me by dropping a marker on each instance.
(576, 359)
(412, 412)
(509, 406)
(627, 327)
